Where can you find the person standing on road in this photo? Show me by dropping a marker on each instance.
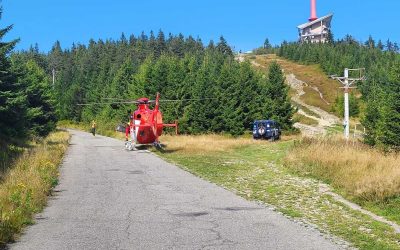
(127, 130)
(93, 128)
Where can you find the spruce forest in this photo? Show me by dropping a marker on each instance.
(228, 95)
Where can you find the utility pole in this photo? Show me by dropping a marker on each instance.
(346, 122)
(347, 82)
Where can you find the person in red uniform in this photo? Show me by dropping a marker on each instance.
(128, 126)
(127, 130)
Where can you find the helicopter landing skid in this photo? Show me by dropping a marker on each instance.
(130, 146)
(157, 145)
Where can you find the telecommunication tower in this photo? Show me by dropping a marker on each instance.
(316, 30)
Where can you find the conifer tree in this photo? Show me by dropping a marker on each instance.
(267, 44)
(132, 40)
(177, 45)
(354, 106)
(370, 122)
(160, 44)
(380, 45)
(211, 45)
(391, 114)
(278, 92)
(41, 115)
(12, 97)
(152, 44)
(223, 47)
(370, 43)
(391, 120)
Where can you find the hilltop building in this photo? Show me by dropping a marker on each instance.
(316, 30)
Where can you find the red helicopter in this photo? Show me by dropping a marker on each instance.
(145, 125)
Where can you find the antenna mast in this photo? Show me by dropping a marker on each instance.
(313, 11)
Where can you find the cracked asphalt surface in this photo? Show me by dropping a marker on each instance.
(109, 198)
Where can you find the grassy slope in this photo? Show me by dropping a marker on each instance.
(312, 75)
(26, 185)
(315, 78)
(365, 175)
(254, 171)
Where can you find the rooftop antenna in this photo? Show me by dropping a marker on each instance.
(347, 82)
(313, 11)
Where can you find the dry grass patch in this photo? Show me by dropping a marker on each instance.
(203, 144)
(27, 184)
(364, 173)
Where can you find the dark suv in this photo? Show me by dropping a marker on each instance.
(266, 129)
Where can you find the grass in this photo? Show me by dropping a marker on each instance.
(310, 74)
(306, 110)
(304, 119)
(102, 128)
(205, 144)
(255, 171)
(8, 152)
(312, 97)
(28, 182)
(365, 175)
(334, 130)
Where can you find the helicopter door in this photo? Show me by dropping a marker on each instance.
(135, 130)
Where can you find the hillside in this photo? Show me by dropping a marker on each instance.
(320, 91)
(312, 92)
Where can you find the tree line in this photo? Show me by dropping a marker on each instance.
(380, 91)
(228, 95)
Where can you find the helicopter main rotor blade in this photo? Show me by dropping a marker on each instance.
(115, 98)
(138, 102)
(106, 103)
(183, 100)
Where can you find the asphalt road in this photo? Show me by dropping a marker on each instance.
(109, 198)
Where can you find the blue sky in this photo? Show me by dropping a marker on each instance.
(245, 24)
